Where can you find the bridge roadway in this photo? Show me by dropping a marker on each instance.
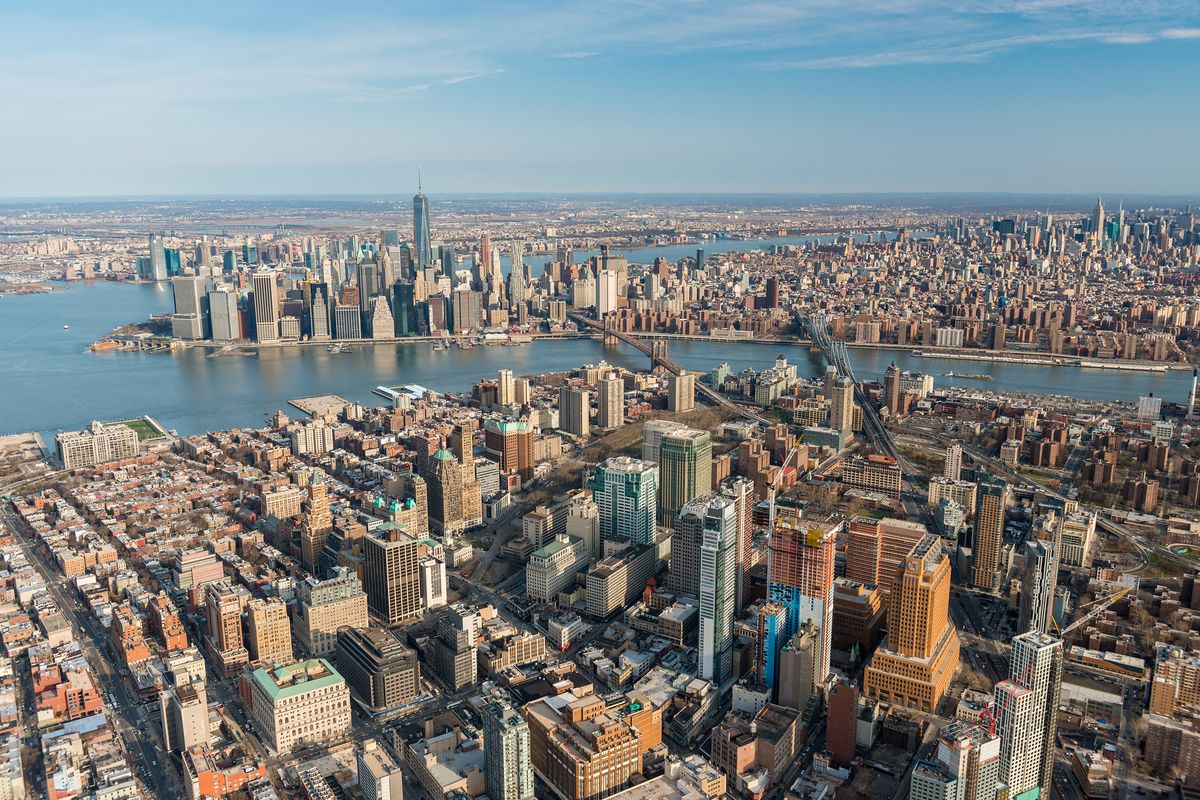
(834, 353)
(667, 363)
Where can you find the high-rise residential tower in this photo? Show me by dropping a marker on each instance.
(989, 533)
(718, 588)
(507, 768)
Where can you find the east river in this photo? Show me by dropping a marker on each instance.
(50, 381)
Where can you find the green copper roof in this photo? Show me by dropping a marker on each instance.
(443, 454)
(289, 681)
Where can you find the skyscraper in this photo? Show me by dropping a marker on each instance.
(507, 768)
(681, 392)
(1097, 226)
(223, 610)
(952, 470)
(516, 276)
(891, 388)
(1026, 713)
(266, 307)
(269, 631)
(841, 414)
(914, 666)
(684, 470)
(989, 533)
(1039, 580)
(718, 586)
(574, 411)
(800, 576)
(225, 322)
(391, 574)
(626, 492)
(968, 765)
(158, 259)
(445, 486)
(421, 240)
(611, 402)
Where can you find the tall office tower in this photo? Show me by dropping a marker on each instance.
(483, 264)
(1098, 221)
(800, 576)
(505, 388)
(652, 435)
(223, 610)
(190, 320)
(1039, 580)
(318, 312)
(266, 307)
(507, 767)
(684, 470)
(269, 631)
(681, 392)
(404, 300)
(509, 442)
(368, 284)
(323, 606)
(466, 309)
(224, 320)
(610, 402)
(606, 292)
(966, 766)
(347, 321)
(989, 533)
(914, 666)
(158, 259)
(626, 493)
(952, 471)
(378, 667)
(448, 261)
(516, 276)
(1026, 713)
(841, 414)
(574, 411)
(718, 585)
(444, 480)
(383, 326)
(741, 491)
(204, 254)
(891, 388)
(391, 574)
(684, 574)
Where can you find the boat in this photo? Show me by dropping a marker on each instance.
(969, 376)
(440, 347)
(335, 348)
(66, 327)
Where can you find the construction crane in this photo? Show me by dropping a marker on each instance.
(791, 454)
(990, 718)
(1100, 604)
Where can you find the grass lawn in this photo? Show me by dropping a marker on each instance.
(143, 429)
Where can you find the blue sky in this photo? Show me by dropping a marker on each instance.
(627, 95)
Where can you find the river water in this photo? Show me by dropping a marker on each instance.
(50, 381)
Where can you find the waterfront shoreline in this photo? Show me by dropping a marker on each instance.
(951, 354)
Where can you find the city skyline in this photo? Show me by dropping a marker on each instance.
(923, 96)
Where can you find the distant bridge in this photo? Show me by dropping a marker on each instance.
(657, 351)
(834, 352)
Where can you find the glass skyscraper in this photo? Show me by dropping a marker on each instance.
(421, 229)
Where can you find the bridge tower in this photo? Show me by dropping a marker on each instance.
(610, 331)
(658, 354)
